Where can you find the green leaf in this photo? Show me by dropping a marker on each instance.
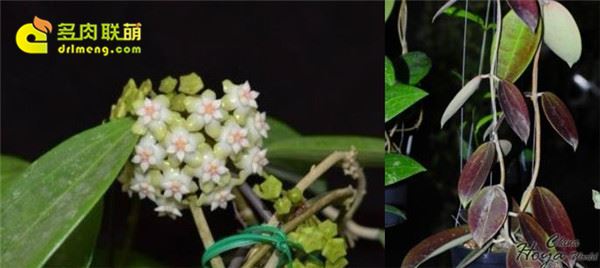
(561, 33)
(399, 167)
(47, 201)
(78, 249)
(399, 97)
(461, 13)
(388, 6)
(418, 66)
(279, 131)
(517, 47)
(395, 211)
(10, 168)
(389, 72)
(313, 149)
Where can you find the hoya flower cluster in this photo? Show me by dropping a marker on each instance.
(192, 142)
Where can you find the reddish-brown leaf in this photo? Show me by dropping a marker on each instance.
(527, 10)
(487, 213)
(560, 118)
(553, 217)
(444, 7)
(533, 233)
(435, 245)
(475, 172)
(514, 108)
(516, 260)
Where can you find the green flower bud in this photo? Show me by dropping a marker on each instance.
(313, 264)
(340, 263)
(213, 129)
(159, 131)
(270, 189)
(297, 264)
(334, 249)
(178, 103)
(167, 85)
(221, 150)
(207, 187)
(138, 128)
(228, 102)
(193, 125)
(328, 228)
(227, 85)
(208, 93)
(282, 206)
(295, 195)
(155, 177)
(146, 87)
(190, 84)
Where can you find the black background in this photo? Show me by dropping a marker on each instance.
(316, 65)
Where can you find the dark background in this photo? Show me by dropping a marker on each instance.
(432, 200)
(316, 65)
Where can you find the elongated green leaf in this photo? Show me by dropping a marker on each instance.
(399, 167)
(561, 33)
(279, 131)
(389, 72)
(314, 148)
(418, 66)
(517, 47)
(435, 245)
(394, 216)
(444, 7)
(78, 249)
(461, 13)
(395, 211)
(459, 100)
(483, 121)
(55, 192)
(388, 6)
(10, 168)
(399, 97)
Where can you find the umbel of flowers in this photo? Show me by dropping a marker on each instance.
(191, 141)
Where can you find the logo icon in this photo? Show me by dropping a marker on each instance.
(31, 38)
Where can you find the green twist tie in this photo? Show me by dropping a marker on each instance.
(250, 236)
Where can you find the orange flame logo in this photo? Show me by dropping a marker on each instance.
(42, 25)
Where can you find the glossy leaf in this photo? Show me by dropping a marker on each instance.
(552, 216)
(435, 245)
(444, 7)
(459, 100)
(561, 33)
(517, 47)
(389, 72)
(475, 172)
(527, 10)
(279, 131)
(399, 97)
(560, 118)
(47, 201)
(388, 6)
(418, 66)
(514, 108)
(78, 249)
(487, 213)
(533, 233)
(314, 148)
(399, 167)
(10, 168)
(394, 216)
(513, 260)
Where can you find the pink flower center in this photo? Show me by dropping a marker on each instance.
(149, 110)
(180, 143)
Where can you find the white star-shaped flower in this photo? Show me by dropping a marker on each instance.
(141, 184)
(235, 136)
(220, 198)
(168, 207)
(254, 160)
(247, 96)
(181, 143)
(153, 111)
(176, 184)
(206, 110)
(212, 169)
(147, 153)
(259, 124)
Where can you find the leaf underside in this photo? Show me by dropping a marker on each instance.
(560, 118)
(561, 33)
(487, 213)
(435, 245)
(475, 172)
(514, 108)
(47, 201)
(459, 100)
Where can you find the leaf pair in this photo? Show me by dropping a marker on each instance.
(400, 96)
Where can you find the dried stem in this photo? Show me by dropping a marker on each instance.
(204, 230)
(536, 130)
(339, 194)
